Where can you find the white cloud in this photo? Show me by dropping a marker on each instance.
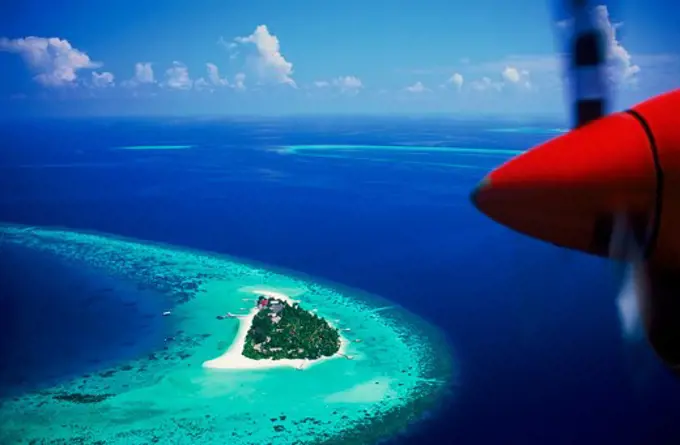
(548, 64)
(345, 84)
(486, 84)
(143, 73)
(269, 62)
(55, 60)
(511, 74)
(620, 66)
(214, 75)
(102, 80)
(456, 80)
(225, 43)
(201, 84)
(516, 77)
(177, 77)
(239, 80)
(348, 84)
(213, 81)
(622, 69)
(232, 47)
(546, 72)
(516, 72)
(417, 87)
(510, 77)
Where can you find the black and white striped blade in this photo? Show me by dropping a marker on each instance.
(581, 35)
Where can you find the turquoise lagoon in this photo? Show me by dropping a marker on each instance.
(400, 366)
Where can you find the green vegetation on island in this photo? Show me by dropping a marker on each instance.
(281, 331)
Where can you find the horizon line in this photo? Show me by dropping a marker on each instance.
(550, 117)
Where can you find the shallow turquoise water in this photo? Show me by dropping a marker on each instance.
(400, 366)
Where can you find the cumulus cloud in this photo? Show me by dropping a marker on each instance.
(214, 75)
(143, 73)
(514, 76)
(268, 61)
(54, 60)
(349, 84)
(417, 87)
(345, 84)
(533, 72)
(622, 69)
(511, 74)
(511, 77)
(201, 84)
(177, 77)
(456, 80)
(239, 81)
(486, 84)
(213, 81)
(102, 80)
(620, 66)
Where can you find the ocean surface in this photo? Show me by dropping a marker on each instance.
(377, 204)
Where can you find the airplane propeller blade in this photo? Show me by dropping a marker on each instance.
(627, 256)
(646, 300)
(582, 39)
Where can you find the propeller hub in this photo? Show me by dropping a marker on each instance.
(568, 190)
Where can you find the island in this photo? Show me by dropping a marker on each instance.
(175, 321)
(283, 331)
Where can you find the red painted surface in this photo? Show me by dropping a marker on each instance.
(662, 114)
(558, 190)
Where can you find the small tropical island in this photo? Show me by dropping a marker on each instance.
(280, 331)
(400, 370)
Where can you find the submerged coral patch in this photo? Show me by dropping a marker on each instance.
(390, 369)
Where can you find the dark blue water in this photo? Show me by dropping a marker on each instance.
(58, 320)
(535, 330)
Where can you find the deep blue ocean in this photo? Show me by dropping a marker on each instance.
(534, 329)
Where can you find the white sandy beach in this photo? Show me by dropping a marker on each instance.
(233, 358)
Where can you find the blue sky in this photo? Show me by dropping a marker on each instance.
(208, 57)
